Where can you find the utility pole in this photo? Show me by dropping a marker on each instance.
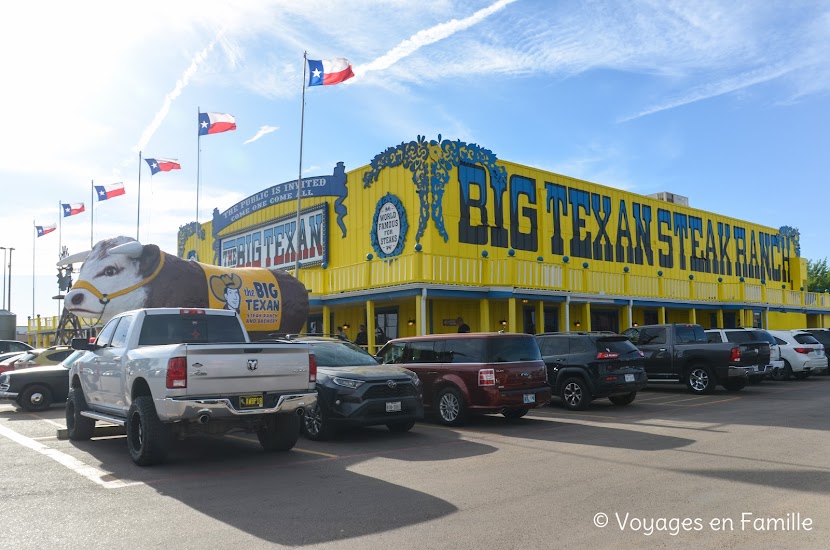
(3, 248)
(10, 278)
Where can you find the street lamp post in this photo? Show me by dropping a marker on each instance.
(3, 248)
(10, 278)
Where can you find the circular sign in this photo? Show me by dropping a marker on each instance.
(389, 227)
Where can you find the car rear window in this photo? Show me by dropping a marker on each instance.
(553, 345)
(189, 329)
(616, 344)
(508, 349)
(340, 354)
(468, 350)
(739, 336)
(805, 339)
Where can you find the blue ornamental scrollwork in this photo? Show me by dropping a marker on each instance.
(431, 164)
(794, 237)
(380, 226)
(185, 232)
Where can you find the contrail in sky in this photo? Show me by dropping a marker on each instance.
(181, 84)
(429, 36)
(262, 131)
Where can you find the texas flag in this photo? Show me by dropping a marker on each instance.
(329, 71)
(105, 192)
(72, 209)
(45, 229)
(163, 165)
(214, 123)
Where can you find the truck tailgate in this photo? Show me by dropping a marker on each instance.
(232, 369)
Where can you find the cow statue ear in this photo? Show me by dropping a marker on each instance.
(149, 259)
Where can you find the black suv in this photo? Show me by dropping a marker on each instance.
(583, 366)
(352, 388)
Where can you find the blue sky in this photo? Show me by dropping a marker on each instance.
(724, 102)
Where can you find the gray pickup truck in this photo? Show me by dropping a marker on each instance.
(681, 353)
(170, 373)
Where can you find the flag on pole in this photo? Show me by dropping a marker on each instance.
(163, 165)
(72, 209)
(215, 123)
(105, 192)
(45, 229)
(328, 71)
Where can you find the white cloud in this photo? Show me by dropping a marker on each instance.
(263, 130)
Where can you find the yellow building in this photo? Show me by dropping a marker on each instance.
(433, 230)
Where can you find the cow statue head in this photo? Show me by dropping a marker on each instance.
(113, 278)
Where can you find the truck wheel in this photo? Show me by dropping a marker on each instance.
(147, 436)
(280, 432)
(514, 414)
(401, 427)
(622, 400)
(35, 398)
(451, 409)
(575, 394)
(701, 379)
(734, 385)
(778, 374)
(79, 428)
(316, 425)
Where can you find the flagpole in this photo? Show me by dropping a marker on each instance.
(138, 212)
(198, 162)
(60, 228)
(91, 213)
(300, 175)
(34, 255)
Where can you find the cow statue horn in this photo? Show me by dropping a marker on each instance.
(74, 258)
(132, 249)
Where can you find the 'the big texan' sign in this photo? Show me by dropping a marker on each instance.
(278, 243)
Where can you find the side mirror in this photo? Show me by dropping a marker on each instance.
(83, 344)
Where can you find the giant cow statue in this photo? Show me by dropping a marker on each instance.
(121, 274)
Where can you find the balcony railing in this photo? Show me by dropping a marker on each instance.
(451, 270)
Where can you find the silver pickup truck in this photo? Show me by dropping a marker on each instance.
(170, 373)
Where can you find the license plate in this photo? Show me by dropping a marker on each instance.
(529, 398)
(393, 406)
(629, 378)
(250, 401)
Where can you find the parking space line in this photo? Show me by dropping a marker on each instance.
(50, 421)
(100, 477)
(686, 399)
(308, 451)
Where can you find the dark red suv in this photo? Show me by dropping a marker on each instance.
(473, 373)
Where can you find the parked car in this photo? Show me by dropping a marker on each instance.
(772, 368)
(823, 336)
(9, 359)
(36, 388)
(476, 372)
(803, 355)
(43, 357)
(352, 388)
(583, 366)
(7, 346)
(680, 353)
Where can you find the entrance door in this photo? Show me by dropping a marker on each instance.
(605, 320)
(386, 325)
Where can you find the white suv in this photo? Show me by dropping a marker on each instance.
(803, 355)
(774, 369)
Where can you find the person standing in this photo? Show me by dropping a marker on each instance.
(340, 334)
(462, 326)
(362, 338)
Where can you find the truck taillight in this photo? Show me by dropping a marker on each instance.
(177, 373)
(607, 355)
(312, 368)
(735, 355)
(487, 377)
(191, 311)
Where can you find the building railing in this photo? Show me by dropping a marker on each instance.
(450, 270)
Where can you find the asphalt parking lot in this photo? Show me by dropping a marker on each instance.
(727, 470)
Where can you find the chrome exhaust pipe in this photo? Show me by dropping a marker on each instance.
(204, 418)
(300, 411)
